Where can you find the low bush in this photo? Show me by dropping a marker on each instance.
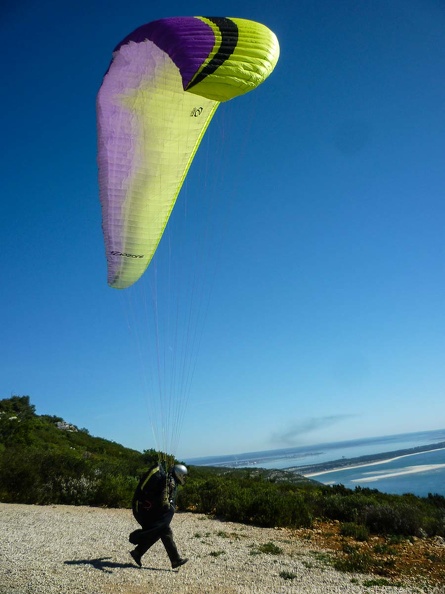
(288, 575)
(242, 499)
(269, 548)
(355, 561)
(394, 519)
(356, 531)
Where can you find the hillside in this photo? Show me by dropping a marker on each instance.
(46, 460)
(20, 425)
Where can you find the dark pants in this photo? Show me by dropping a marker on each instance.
(151, 531)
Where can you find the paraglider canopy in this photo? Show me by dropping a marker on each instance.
(157, 98)
(159, 94)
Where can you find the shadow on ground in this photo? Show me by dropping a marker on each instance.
(103, 564)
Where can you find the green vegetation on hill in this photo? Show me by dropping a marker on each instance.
(44, 460)
(264, 499)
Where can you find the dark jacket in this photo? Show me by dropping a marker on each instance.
(153, 505)
(155, 494)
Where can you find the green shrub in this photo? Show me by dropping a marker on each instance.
(355, 561)
(20, 476)
(362, 561)
(248, 501)
(384, 549)
(269, 548)
(357, 531)
(386, 519)
(347, 506)
(114, 491)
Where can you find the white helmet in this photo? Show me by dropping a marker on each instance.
(179, 472)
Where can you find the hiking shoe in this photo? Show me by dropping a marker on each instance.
(136, 557)
(178, 563)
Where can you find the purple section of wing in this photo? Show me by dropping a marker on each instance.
(187, 40)
(117, 130)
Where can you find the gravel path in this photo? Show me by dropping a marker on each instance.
(83, 550)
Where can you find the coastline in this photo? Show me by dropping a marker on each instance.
(362, 461)
(399, 473)
(377, 462)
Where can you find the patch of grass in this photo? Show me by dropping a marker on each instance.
(382, 582)
(325, 558)
(356, 531)
(384, 549)
(202, 536)
(349, 549)
(288, 575)
(395, 539)
(355, 561)
(270, 549)
(217, 553)
(233, 535)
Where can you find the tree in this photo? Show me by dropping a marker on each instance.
(16, 416)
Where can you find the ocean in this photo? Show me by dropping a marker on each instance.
(419, 473)
(399, 471)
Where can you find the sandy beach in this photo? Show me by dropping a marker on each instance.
(83, 550)
(377, 463)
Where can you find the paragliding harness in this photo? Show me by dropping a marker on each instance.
(155, 492)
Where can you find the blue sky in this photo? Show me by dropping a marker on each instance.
(326, 254)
